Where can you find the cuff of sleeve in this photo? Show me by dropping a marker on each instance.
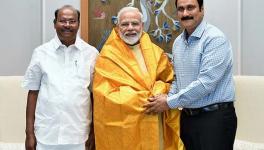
(173, 102)
(29, 86)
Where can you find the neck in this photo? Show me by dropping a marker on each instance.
(68, 42)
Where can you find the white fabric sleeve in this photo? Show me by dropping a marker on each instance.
(92, 70)
(33, 75)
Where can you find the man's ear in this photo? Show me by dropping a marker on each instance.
(117, 26)
(202, 8)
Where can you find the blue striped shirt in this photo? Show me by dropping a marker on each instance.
(203, 66)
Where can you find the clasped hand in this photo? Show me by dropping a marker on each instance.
(156, 104)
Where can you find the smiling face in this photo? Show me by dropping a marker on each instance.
(130, 27)
(67, 25)
(190, 14)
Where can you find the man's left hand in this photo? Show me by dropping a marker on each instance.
(156, 104)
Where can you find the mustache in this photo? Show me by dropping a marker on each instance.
(186, 18)
(129, 33)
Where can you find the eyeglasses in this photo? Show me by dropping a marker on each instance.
(65, 22)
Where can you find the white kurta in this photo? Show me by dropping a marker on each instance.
(62, 75)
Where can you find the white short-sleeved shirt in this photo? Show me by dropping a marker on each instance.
(62, 75)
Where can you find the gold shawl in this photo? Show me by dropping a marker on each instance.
(121, 89)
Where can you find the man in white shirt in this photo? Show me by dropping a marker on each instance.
(58, 114)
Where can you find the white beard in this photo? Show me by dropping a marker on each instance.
(130, 40)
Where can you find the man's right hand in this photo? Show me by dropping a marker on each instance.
(31, 142)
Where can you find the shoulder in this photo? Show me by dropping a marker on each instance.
(212, 31)
(157, 48)
(113, 48)
(178, 40)
(212, 34)
(89, 52)
(215, 39)
(146, 43)
(87, 47)
(44, 48)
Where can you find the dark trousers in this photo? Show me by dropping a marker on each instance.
(214, 130)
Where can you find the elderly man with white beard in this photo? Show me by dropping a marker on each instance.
(129, 70)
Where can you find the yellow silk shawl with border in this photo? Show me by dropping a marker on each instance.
(120, 90)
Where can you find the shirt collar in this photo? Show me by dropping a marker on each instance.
(57, 43)
(198, 32)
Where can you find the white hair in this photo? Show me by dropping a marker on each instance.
(128, 9)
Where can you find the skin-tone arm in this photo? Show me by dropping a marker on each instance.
(30, 143)
(90, 143)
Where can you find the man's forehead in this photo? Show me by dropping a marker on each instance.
(182, 3)
(67, 16)
(127, 20)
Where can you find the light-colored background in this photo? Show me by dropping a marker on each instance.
(25, 24)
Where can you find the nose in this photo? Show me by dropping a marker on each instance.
(185, 12)
(67, 23)
(130, 26)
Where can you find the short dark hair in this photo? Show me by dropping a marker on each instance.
(200, 2)
(66, 6)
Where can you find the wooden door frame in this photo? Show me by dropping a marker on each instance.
(84, 20)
